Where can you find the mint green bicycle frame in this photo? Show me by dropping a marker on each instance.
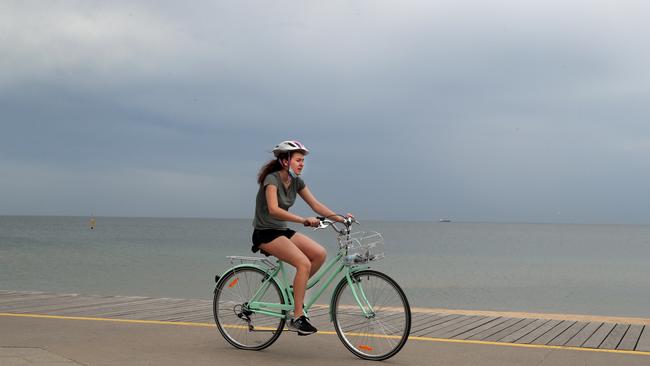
(278, 274)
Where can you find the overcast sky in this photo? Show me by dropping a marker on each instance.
(504, 111)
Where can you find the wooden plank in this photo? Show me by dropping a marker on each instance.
(38, 307)
(122, 308)
(161, 305)
(486, 326)
(513, 337)
(18, 305)
(29, 300)
(426, 322)
(454, 324)
(14, 299)
(181, 313)
(615, 336)
(599, 336)
(494, 329)
(134, 311)
(554, 332)
(563, 338)
(509, 330)
(82, 304)
(419, 317)
(532, 336)
(72, 304)
(173, 308)
(644, 340)
(585, 333)
(98, 309)
(631, 338)
(311, 316)
(312, 312)
(459, 332)
(436, 322)
(453, 319)
(205, 318)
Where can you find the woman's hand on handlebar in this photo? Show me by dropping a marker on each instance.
(348, 219)
(311, 221)
(341, 218)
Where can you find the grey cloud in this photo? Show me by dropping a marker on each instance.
(484, 111)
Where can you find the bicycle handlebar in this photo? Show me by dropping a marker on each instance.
(325, 222)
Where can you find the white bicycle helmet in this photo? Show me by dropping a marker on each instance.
(289, 146)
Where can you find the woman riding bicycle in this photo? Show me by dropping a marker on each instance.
(279, 184)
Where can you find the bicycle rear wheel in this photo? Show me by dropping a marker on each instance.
(241, 327)
(382, 333)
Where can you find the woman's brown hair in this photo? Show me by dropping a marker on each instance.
(270, 167)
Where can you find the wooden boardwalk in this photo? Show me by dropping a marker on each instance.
(581, 332)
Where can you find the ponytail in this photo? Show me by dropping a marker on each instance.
(270, 167)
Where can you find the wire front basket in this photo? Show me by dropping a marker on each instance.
(363, 247)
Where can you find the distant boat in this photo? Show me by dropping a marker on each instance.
(445, 220)
(92, 223)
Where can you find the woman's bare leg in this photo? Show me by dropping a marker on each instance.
(286, 251)
(314, 251)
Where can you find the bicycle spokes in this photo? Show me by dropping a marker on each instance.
(240, 325)
(375, 334)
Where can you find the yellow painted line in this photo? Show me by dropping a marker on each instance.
(415, 338)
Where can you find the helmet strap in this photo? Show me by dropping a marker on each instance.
(287, 167)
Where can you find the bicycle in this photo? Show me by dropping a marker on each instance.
(370, 312)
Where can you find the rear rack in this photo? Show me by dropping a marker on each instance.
(234, 259)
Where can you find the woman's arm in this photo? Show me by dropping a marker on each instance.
(278, 212)
(318, 207)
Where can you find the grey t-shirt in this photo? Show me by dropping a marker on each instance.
(286, 198)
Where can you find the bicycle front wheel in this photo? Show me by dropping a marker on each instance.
(241, 327)
(384, 329)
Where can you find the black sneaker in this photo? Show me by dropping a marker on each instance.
(302, 326)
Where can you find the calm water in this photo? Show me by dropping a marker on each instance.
(588, 269)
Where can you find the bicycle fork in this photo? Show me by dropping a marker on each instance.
(360, 295)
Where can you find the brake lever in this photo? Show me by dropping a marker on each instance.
(323, 224)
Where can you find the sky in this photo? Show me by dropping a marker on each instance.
(499, 111)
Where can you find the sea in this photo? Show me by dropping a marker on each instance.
(551, 268)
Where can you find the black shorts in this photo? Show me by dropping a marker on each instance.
(268, 235)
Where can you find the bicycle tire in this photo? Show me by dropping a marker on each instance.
(231, 294)
(379, 337)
